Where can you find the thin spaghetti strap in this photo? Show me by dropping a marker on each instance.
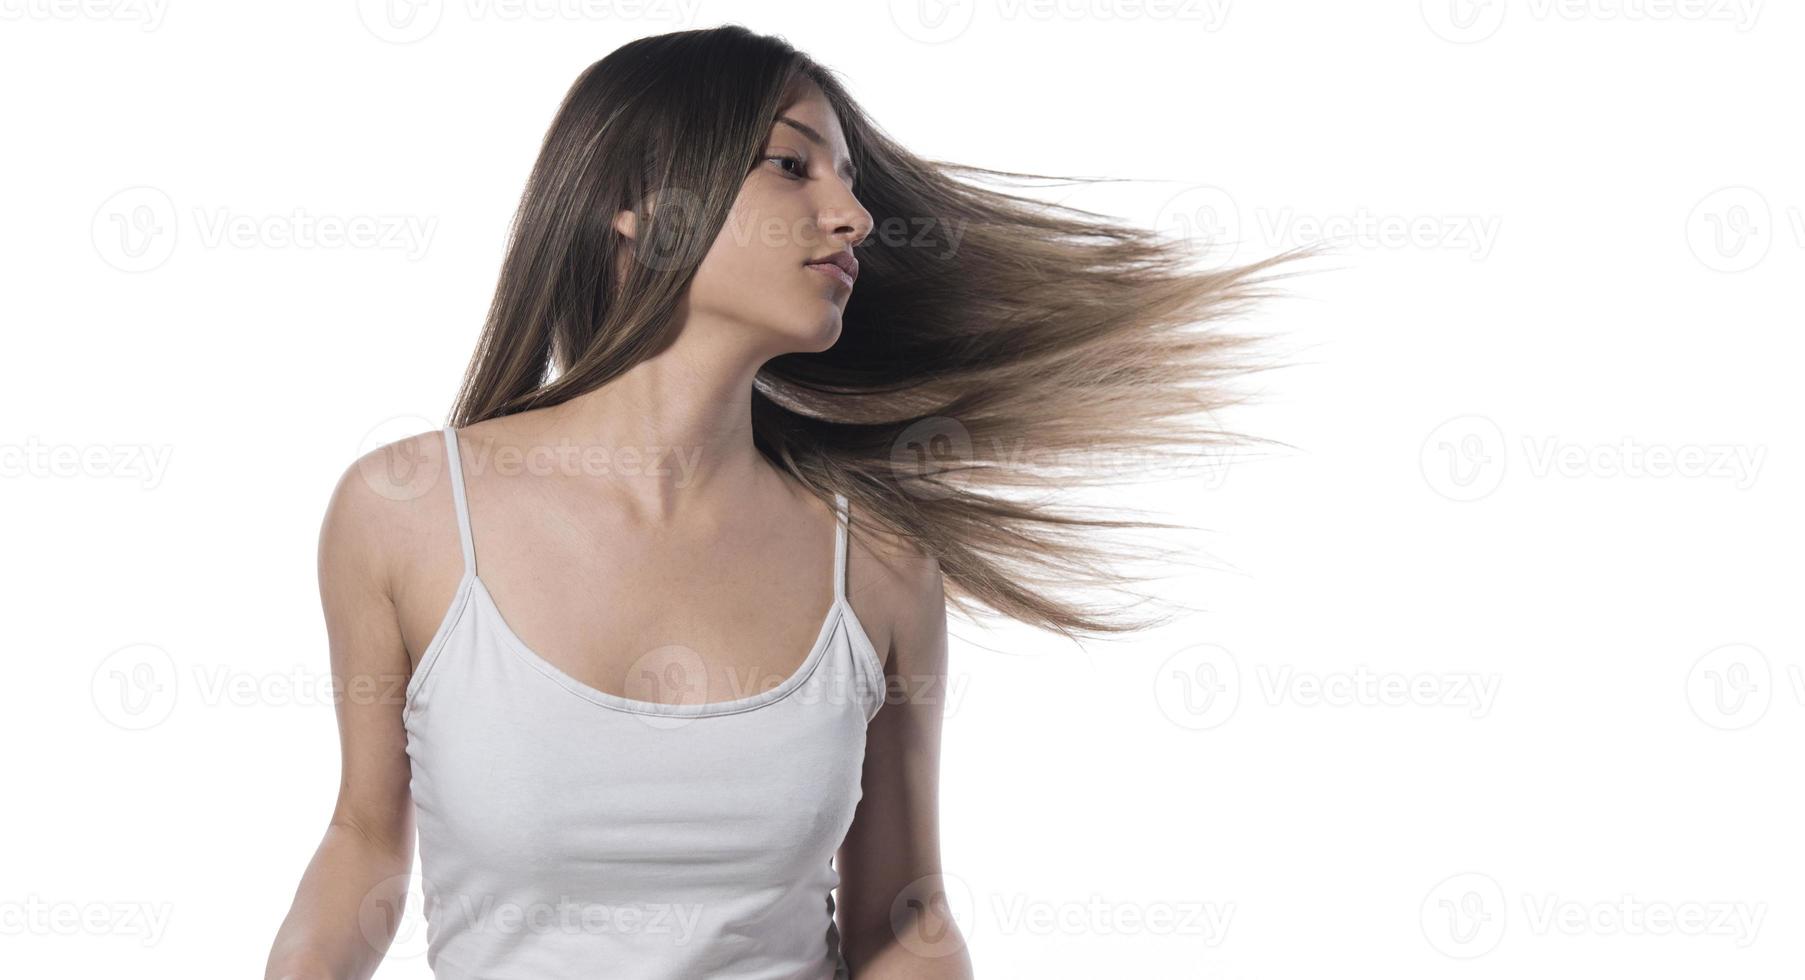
(840, 510)
(455, 467)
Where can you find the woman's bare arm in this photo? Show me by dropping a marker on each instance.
(893, 917)
(351, 896)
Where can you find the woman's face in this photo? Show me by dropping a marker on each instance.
(795, 207)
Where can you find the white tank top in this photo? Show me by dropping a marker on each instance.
(568, 832)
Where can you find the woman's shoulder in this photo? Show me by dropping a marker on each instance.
(386, 502)
(893, 581)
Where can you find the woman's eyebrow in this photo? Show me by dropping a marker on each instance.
(851, 172)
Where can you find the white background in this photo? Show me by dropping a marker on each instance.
(1539, 408)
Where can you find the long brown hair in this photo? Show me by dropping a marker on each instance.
(992, 340)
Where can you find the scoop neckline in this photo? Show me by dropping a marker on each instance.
(619, 702)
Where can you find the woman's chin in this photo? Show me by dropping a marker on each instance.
(825, 330)
(802, 334)
(829, 333)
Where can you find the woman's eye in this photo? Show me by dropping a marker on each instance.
(781, 160)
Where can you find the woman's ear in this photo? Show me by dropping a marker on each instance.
(627, 223)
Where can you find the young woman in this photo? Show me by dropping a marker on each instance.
(669, 593)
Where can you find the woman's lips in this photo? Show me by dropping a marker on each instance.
(832, 271)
